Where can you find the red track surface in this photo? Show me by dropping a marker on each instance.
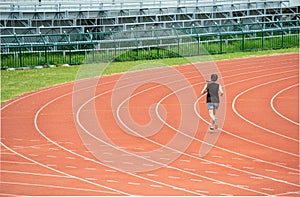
(257, 152)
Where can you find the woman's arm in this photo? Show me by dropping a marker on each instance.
(221, 90)
(204, 89)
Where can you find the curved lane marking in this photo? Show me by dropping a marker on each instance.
(274, 109)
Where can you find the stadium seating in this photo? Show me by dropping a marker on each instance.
(58, 16)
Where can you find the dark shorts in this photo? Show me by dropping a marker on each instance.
(212, 106)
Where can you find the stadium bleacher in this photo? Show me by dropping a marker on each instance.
(115, 25)
(58, 16)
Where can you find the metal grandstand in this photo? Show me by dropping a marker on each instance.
(54, 16)
(64, 26)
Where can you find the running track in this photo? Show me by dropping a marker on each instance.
(257, 152)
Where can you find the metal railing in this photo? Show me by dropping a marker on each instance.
(19, 51)
(60, 6)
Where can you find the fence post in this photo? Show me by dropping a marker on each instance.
(220, 36)
(243, 36)
(46, 59)
(70, 51)
(20, 56)
(221, 48)
(280, 25)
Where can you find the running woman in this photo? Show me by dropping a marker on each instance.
(213, 90)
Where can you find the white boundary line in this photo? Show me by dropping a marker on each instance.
(250, 122)
(98, 96)
(60, 172)
(30, 95)
(65, 95)
(242, 137)
(58, 187)
(274, 109)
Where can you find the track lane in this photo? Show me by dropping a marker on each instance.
(73, 146)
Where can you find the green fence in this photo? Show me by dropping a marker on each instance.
(33, 50)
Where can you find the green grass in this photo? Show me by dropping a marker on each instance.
(16, 83)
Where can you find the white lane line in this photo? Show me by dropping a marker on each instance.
(6, 153)
(252, 123)
(127, 163)
(270, 170)
(210, 172)
(256, 177)
(91, 179)
(71, 158)
(67, 142)
(33, 155)
(34, 140)
(51, 156)
(185, 160)
(229, 133)
(35, 147)
(281, 163)
(19, 147)
(43, 165)
(248, 168)
(17, 139)
(293, 173)
(36, 125)
(202, 191)
(157, 186)
(277, 112)
(163, 158)
(190, 136)
(34, 174)
(7, 194)
(58, 187)
(236, 158)
(109, 170)
(234, 175)
(51, 165)
(267, 189)
(246, 171)
(120, 120)
(196, 180)
(245, 139)
(112, 181)
(288, 194)
(204, 162)
(173, 177)
(217, 156)
(108, 161)
(133, 183)
(221, 183)
(189, 169)
(223, 194)
(73, 167)
(60, 172)
(17, 162)
(91, 169)
(126, 155)
(153, 175)
(244, 186)
(146, 164)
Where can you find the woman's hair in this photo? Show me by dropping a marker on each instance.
(214, 77)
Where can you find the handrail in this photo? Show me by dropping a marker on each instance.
(29, 38)
(61, 6)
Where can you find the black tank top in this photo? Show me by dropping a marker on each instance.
(212, 93)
